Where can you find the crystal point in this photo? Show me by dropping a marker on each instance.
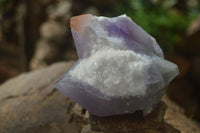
(121, 68)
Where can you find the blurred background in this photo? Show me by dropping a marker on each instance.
(36, 33)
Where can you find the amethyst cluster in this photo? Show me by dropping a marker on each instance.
(121, 68)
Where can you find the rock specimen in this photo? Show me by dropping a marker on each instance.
(121, 68)
(29, 103)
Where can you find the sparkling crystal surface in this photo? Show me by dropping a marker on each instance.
(92, 34)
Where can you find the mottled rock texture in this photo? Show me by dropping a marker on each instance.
(125, 123)
(30, 104)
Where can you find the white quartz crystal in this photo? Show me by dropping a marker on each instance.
(116, 72)
(121, 68)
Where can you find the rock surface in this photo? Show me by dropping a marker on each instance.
(29, 103)
(175, 116)
(124, 123)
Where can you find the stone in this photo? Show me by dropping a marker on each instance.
(81, 116)
(46, 53)
(87, 129)
(30, 103)
(54, 36)
(174, 121)
(60, 11)
(121, 68)
(92, 10)
(126, 122)
(174, 115)
(53, 31)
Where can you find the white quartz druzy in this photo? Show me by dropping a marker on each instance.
(121, 68)
(114, 72)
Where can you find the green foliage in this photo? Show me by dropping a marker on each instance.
(160, 19)
(1, 1)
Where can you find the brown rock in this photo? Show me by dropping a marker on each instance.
(46, 53)
(30, 104)
(60, 11)
(92, 10)
(87, 129)
(53, 31)
(81, 116)
(126, 122)
(174, 115)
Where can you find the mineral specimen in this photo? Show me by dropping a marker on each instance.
(121, 68)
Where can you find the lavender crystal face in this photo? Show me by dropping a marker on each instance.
(121, 68)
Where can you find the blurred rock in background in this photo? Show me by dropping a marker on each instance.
(19, 24)
(55, 42)
(54, 35)
(35, 34)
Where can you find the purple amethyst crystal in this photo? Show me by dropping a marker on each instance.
(121, 68)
